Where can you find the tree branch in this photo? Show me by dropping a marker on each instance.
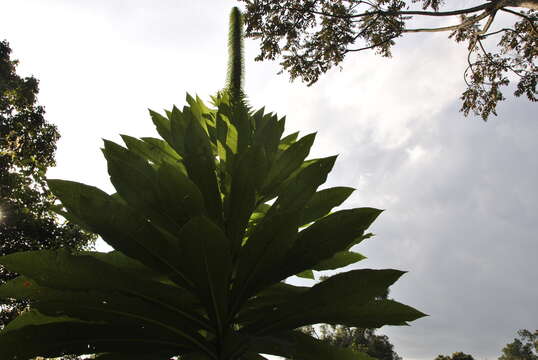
(371, 46)
(469, 21)
(400, 13)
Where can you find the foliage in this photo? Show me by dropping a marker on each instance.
(455, 356)
(202, 251)
(27, 147)
(524, 347)
(313, 36)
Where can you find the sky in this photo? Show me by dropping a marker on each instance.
(460, 194)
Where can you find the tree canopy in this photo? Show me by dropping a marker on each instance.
(524, 347)
(27, 148)
(455, 356)
(310, 37)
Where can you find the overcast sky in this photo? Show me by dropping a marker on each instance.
(460, 195)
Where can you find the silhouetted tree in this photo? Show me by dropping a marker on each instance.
(27, 148)
(455, 356)
(313, 36)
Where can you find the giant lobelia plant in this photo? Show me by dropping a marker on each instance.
(207, 223)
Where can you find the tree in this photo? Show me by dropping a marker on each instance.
(524, 347)
(455, 356)
(201, 250)
(27, 147)
(313, 36)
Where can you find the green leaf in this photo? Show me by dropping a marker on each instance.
(299, 346)
(126, 311)
(127, 264)
(162, 147)
(265, 248)
(58, 269)
(178, 130)
(240, 118)
(65, 272)
(166, 196)
(340, 259)
(133, 178)
(274, 295)
(227, 135)
(268, 135)
(60, 336)
(300, 189)
(373, 315)
(287, 141)
(118, 225)
(258, 118)
(226, 150)
(111, 307)
(178, 195)
(287, 162)
(307, 274)
(324, 238)
(322, 202)
(242, 199)
(200, 164)
(320, 305)
(154, 150)
(207, 261)
(162, 124)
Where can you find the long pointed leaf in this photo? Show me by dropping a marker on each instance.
(207, 262)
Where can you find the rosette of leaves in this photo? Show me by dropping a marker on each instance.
(206, 224)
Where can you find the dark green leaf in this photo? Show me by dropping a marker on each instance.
(340, 259)
(60, 336)
(207, 261)
(300, 189)
(299, 346)
(287, 162)
(154, 150)
(373, 315)
(162, 124)
(319, 304)
(118, 225)
(269, 135)
(242, 199)
(287, 141)
(325, 238)
(178, 130)
(177, 194)
(307, 274)
(265, 248)
(322, 202)
(200, 163)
